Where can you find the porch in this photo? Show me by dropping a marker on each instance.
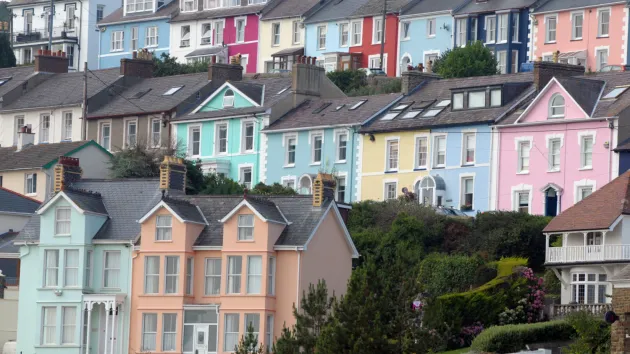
(102, 325)
(587, 247)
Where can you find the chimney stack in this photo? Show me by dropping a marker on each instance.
(67, 171)
(412, 78)
(51, 62)
(323, 188)
(140, 65)
(220, 73)
(307, 78)
(544, 71)
(173, 176)
(25, 137)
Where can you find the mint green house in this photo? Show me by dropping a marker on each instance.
(76, 266)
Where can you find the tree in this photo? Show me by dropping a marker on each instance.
(249, 343)
(287, 343)
(166, 65)
(474, 59)
(7, 57)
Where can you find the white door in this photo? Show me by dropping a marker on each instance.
(112, 347)
(201, 340)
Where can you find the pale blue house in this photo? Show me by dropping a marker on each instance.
(426, 31)
(321, 135)
(77, 253)
(133, 27)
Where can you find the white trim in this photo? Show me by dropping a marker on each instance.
(207, 248)
(189, 129)
(601, 48)
(571, 15)
(126, 122)
(375, 29)
(601, 9)
(583, 183)
(383, 64)
(311, 138)
(216, 146)
(542, 93)
(462, 157)
(243, 135)
(387, 141)
(285, 138)
(359, 165)
(242, 167)
(63, 195)
(336, 134)
(227, 84)
(236, 19)
(350, 34)
(517, 141)
(246, 203)
(521, 188)
(434, 150)
(545, 17)
(289, 178)
(162, 204)
(461, 189)
(416, 137)
(389, 181)
(548, 139)
(429, 52)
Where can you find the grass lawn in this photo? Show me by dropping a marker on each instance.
(458, 351)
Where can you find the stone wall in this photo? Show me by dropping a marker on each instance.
(619, 344)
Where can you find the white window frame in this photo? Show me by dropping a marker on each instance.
(466, 148)
(230, 332)
(313, 137)
(596, 284)
(297, 33)
(190, 276)
(502, 61)
(228, 100)
(117, 43)
(392, 163)
(514, 68)
(244, 125)
(431, 27)
(30, 184)
(386, 185)
(252, 276)
(245, 226)
(600, 24)
(191, 131)
(184, 37)
(551, 140)
(491, 33)
(503, 25)
(357, 24)
(405, 30)
(598, 64)
(112, 271)
(462, 189)
(241, 174)
(548, 30)
(269, 331)
(240, 32)
(436, 152)
(275, 34)
(134, 38)
(553, 106)
(69, 326)
(289, 182)
(322, 31)
(580, 186)
(344, 34)
(376, 30)
(462, 31)
(156, 136)
(271, 276)
(145, 344)
(233, 283)
(151, 40)
(46, 312)
(66, 127)
(44, 124)
(515, 23)
(164, 232)
(54, 269)
(67, 221)
(575, 14)
(173, 277)
(102, 137)
(127, 135)
(582, 137)
(341, 177)
(148, 275)
(417, 164)
(212, 277)
(473, 29)
(516, 201)
(519, 154)
(89, 266)
(171, 333)
(338, 147)
(217, 139)
(69, 268)
(287, 149)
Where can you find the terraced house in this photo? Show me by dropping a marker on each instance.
(207, 267)
(81, 240)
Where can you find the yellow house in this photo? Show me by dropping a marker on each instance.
(391, 161)
(281, 33)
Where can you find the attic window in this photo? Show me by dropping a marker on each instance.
(423, 104)
(432, 112)
(413, 113)
(282, 91)
(357, 105)
(390, 115)
(401, 107)
(4, 80)
(139, 94)
(172, 90)
(612, 94)
(340, 107)
(228, 98)
(443, 103)
(322, 107)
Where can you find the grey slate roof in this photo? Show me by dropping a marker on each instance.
(428, 6)
(37, 156)
(6, 242)
(214, 208)
(585, 92)
(13, 202)
(184, 209)
(375, 7)
(556, 5)
(30, 232)
(86, 200)
(16, 77)
(218, 13)
(304, 218)
(437, 90)
(289, 51)
(154, 100)
(303, 116)
(608, 107)
(64, 90)
(335, 10)
(272, 84)
(118, 16)
(252, 90)
(496, 5)
(266, 208)
(289, 8)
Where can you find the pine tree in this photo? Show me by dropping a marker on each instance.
(287, 343)
(249, 343)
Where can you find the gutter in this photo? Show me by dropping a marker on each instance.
(128, 114)
(133, 21)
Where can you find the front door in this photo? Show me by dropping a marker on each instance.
(201, 340)
(551, 202)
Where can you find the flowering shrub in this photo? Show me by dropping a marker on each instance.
(468, 334)
(530, 307)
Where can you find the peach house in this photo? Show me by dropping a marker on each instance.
(207, 267)
(558, 149)
(593, 36)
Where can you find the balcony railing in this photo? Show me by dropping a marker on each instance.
(560, 311)
(593, 253)
(39, 35)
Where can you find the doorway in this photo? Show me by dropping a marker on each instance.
(201, 340)
(551, 202)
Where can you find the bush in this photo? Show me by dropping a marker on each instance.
(593, 334)
(512, 338)
(348, 80)
(441, 273)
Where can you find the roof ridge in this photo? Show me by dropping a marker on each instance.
(20, 195)
(82, 191)
(176, 201)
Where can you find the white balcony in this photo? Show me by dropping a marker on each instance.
(559, 311)
(587, 254)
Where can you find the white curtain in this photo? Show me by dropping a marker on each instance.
(69, 325)
(234, 272)
(252, 319)
(254, 274)
(213, 276)
(50, 325)
(152, 275)
(71, 276)
(112, 269)
(63, 221)
(169, 330)
(52, 264)
(149, 331)
(172, 274)
(231, 332)
(164, 223)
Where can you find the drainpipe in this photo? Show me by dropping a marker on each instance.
(297, 288)
(611, 127)
(127, 316)
(79, 41)
(352, 152)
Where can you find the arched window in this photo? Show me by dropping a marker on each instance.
(305, 185)
(228, 98)
(556, 106)
(425, 190)
(404, 63)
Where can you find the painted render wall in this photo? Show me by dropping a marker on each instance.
(419, 44)
(370, 48)
(265, 45)
(33, 117)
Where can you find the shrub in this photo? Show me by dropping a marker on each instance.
(512, 338)
(348, 80)
(441, 274)
(593, 334)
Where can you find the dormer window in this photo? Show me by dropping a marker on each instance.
(164, 228)
(139, 5)
(188, 5)
(495, 98)
(556, 106)
(246, 227)
(477, 98)
(458, 100)
(62, 221)
(228, 99)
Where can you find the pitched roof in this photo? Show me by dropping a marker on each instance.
(305, 116)
(273, 85)
(488, 6)
(266, 208)
(611, 107)
(13, 202)
(623, 146)
(6, 242)
(132, 101)
(86, 200)
(598, 211)
(335, 10)
(213, 208)
(375, 7)
(428, 6)
(288, 8)
(218, 13)
(118, 15)
(11, 78)
(432, 92)
(184, 209)
(40, 155)
(557, 5)
(584, 92)
(64, 90)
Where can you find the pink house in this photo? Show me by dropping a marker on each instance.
(558, 149)
(207, 267)
(593, 36)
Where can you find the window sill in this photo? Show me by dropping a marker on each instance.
(502, 42)
(391, 171)
(522, 173)
(289, 166)
(63, 235)
(554, 42)
(438, 167)
(575, 39)
(115, 50)
(553, 171)
(184, 46)
(57, 346)
(490, 42)
(245, 241)
(589, 168)
(152, 46)
(30, 194)
(472, 164)
(340, 161)
(431, 36)
(606, 36)
(164, 241)
(516, 42)
(405, 39)
(315, 164)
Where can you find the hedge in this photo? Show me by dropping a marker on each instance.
(513, 338)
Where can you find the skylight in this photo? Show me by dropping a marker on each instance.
(401, 107)
(282, 91)
(390, 115)
(357, 105)
(339, 107)
(322, 107)
(615, 92)
(424, 104)
(443, 103)
(432, 112)
(172, 90)
(412, 114)
(4, 80)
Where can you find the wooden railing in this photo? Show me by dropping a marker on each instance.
(593, 253)
(595, 309)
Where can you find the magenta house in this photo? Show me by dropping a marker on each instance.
(557, 147)
(207, 30)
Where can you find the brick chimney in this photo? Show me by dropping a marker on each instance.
(51, 62)
(220, 73)
(25, 137)
(307, 78)
(412, 78)
(173, 176)
(140, 65)
(67, 171)
(544, 71)
(323, 188)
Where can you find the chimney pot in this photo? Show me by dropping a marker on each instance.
(323, 188)
(25, 137)
(67, 171)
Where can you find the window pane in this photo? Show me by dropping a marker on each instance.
(213, 276)
(254, 274)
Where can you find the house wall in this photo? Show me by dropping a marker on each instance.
(312, 49)
(265, 45)
(540, 112)
(16, 181)
(33, 117)
(12, 222)
(9, 309)
(111, 59)
(369, 48)
(118, 131)
(419, 43)
(616, 42)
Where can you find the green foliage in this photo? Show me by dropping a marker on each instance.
(387, 86)
(287, 343)
(348, 80)
(593, 334)
(441, 273)
(274, 189)
(138, 161)
(249, 343)
(219, 184)
(166, 65)
(474, 59)
(7, 57)
(551, 282)
(513, 338)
